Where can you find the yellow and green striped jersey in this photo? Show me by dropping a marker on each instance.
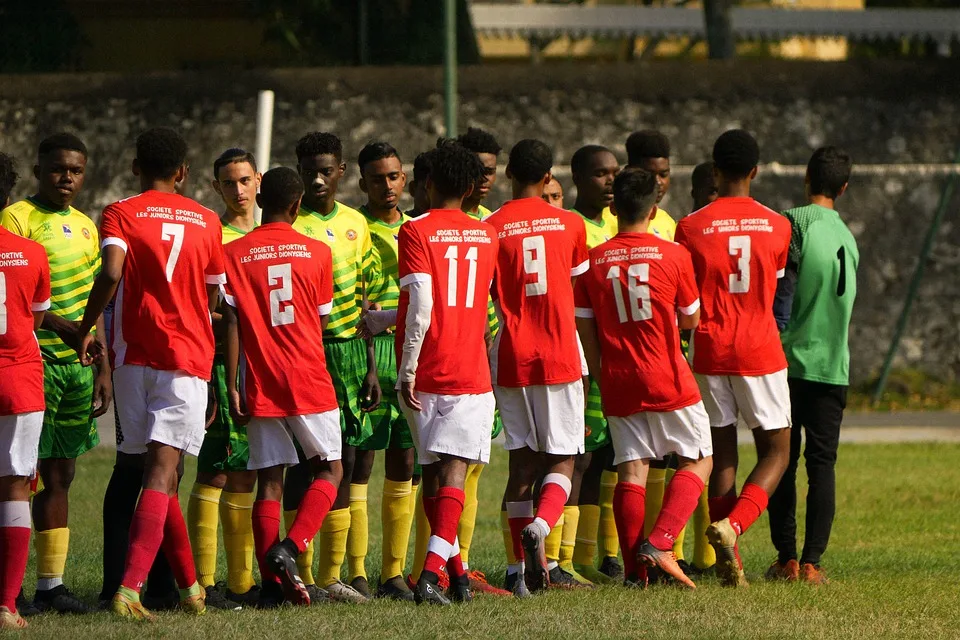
(492, 321)
(230, 233)
(355, 262)
(599, 232)
(73, 249)
(385, 240)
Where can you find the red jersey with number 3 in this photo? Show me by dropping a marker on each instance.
(634, 287)
(456, 255)
(541, 249)
(281, 283)
(24, 289)
(739, 250)
(173, 251)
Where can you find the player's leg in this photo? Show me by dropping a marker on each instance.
(396, 513)
(783, 502)
(471, 504)
(358, 536)
(524, 465)
(602, 475)
(236, 509)
(295, 483)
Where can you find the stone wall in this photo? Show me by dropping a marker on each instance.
(886, 112)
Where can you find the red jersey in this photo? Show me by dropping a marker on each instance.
(161, 317)
(24, 288)
(541, 249)
(281, 282)
(739, 250)
(634, 287)
(456, 255)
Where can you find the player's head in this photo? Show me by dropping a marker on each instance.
(418, 185)
(828, 172)
(454, 174)
(634, 196)
(320, 165)
(280, 192)
(8, 178)
(161, 157)
(594, 168)
(485, 145)
(529, 165)
(703, 185)
(553, 193)
(735, 157)
(60, 169)
(236, 179)
(650, 150)
(381, 175)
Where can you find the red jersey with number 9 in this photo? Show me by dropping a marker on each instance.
(281, 283)
(739, 250)
(173, 251)
(456, 255)
(541, 249)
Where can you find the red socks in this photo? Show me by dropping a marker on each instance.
(628, 511)
(752, 502)
(447, 508)
(146, 535)
(519, 515)
(266, 533)
(553, 497)
(176, 545)
(679, 503)
(313, 509)
(721, 507)
(14, 550)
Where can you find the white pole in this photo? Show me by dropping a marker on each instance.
(264, 134)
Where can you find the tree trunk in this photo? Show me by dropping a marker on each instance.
(720, 41)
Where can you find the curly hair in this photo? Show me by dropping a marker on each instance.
(319, 143)
(161, 152)
(479, 141)
(454, 169)
(530, 161)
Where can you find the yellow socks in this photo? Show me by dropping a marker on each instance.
(202, 519)
(51, 546)
(586, 548)
(468, 521)
(704, 556)
(333, 546)
(551, 546)
(608, 540)
(359, 533)
(507, 538)
(236, 510)
(395, 519)
(678, 543)
(568, 538)
(654, 500)
(422, 537)
(305, 559)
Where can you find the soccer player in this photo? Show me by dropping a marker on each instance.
(75, 395)
(162, 257)
(553, 193)
(25, 277)
(823, 269)
(280, 290)
(535, 359)
(224, 487)
(703, 185)
(350, 359)
(650, 150)
(739, 250)
(486, 147)
(446, 262)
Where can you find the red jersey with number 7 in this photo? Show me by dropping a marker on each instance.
(456, 256)
(739, 249)
(542, 248)
(281, 283)
(173, 251)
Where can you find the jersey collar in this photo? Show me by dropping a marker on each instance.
(329, 216)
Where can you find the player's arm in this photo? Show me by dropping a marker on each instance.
(103, 290)
(38, 319)
(688, 295)
(417, 322)
(232, 363)
(590, 341)
(688, 322)
(783, 299)
(103, 382)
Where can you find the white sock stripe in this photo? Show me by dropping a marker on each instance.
(520, 509)
(560, 480)
(455, 549)
(439, 546)
(543, 526)
(15, 514)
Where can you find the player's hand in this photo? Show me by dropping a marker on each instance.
(237, 409)
(69, 333)
(102, 392)
(409, 395)
(370, 392)
(90, 349)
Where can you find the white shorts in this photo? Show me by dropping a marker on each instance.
(168, 407)
(762, 401)
(452, 425)
(20, 443)
(271, 440)
(544, 418)
(651, 435)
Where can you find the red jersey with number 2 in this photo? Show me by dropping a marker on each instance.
(739, 250)
(173, 251)
(457, 256)
(281, 283)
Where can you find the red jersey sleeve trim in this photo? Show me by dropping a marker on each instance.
(40, 306)
(581, 268)
(116, 242)
(581, 312)
(691, 309)
(220, 278)
(410, 278)
(325, 309)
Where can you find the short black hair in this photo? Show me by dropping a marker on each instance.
(634, 194)
(736, 153)
(376, 151)
(479, 141)
(421, 167)
(280, 188)
(530, 160)
(161, 152)
(701, 174)
(319, 143)
(578, 163)
(646, 144)
(454, 169)
(8, 177)
(828, 169)
(61, 142)
(231, 156)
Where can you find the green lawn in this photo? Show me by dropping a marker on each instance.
(894, 562)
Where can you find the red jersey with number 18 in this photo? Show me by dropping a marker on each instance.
(455, 255)
(541, 249)
(281, 282)
(173, 251)
(739, 250)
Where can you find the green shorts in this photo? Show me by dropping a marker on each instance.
(225, 446)
(347, 364)
(390, 429)
(597, 432)
(68, 429)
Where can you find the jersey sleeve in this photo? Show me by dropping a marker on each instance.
(111, 228)
(370, 266)
(414, 263)
(785, 251)
(679, 235)
(688, 297)
(41, 296)
(581, 255)
(581, 299)
(215, 271)
(12, 223)
(325, 264)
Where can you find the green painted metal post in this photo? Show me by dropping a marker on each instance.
(945, 197)
(450, 67)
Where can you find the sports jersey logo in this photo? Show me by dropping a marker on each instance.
(331, 235)
(351, 235)
(86, 233)
(67, 233)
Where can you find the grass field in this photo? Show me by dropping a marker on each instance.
(894, 563)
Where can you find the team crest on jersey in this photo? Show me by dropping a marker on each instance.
(331, 235)
(86, 233)
(67, 233)
(351, 235)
